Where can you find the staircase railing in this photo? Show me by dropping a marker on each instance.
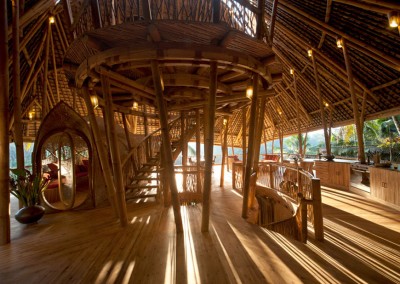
(140, 155)
(295, 185)
(240, 15)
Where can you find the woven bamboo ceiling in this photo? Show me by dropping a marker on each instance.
(121, 39)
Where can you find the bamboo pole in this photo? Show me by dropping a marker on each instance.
(321, 107)
(169, 163)
(128, 140)
(198, 157)
(250, 154)
(280, 134)
(357, 122)
(18, 132)
(53, 53)
(45, 103)
(298, 115)
(184, 149)
(244, 120)
(224, 146)
(317, 206)
(101, 151)
(209, 143)
(146, 133)
(114, 151)
(5, 233)
(273, 20)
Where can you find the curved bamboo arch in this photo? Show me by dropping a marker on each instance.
(189, 55)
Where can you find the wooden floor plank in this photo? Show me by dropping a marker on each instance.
(362, 245)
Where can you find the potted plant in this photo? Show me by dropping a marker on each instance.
(28, 188)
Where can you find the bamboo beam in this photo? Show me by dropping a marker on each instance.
(18, 132)
(169, 163)
(101, 151)
(356, 113)
(224, 146)
(273, 20)
(128, 140)
(260, 28)
(55, 67)
(250, 154)
(327, 17)
(209, 142)
(114, 151)
(45, 103)
(96, 15)
(321, 106)
(5, 231)
(388, 84)
(382, 7)
(366, 49)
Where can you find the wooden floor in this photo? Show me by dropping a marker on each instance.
(362, 245)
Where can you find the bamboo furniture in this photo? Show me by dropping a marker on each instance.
(333, 174)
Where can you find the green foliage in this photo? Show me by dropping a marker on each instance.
(27, 187)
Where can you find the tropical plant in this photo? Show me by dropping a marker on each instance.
(27, 187)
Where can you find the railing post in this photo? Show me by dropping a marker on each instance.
(317, 206)
(303, 207)
(233, 175)
(271, 176)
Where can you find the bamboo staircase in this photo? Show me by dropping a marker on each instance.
(146, 181)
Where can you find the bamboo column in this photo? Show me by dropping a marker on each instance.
(5, 234)
(198, 157)
(101, 151)
(298, 115)
(18, 132)
(184, 150)
(168, 162)
(244, 120)
(280, 134)
(321, 106)
(250, 154)
(114, 151)
(224, 150)
(209, 144)
(45, 102)
(128, 140)
(359, 124)
(146, 132)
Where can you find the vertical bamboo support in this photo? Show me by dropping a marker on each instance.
(244, 120)
(18, 132)
(224, 150)
(5, 233)
(128, 140)
(321, 106)
(209, 143)
(250, 154)
(184, 150)
(303, 208)
(216, 11)
(198, 157)
(146, 132)
(45, 102)
(317, 207)
(169, 163)
(357, 121)
(53, 53)
(298, 116)
(96, 17)
(114, 151)
(101, 151)
(164, 178)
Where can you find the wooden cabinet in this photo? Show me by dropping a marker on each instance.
(385, 185)
(333, 174)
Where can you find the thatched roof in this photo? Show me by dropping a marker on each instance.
(185, 41)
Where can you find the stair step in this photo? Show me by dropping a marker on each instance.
(138, 186)
(144, 193)
(144, 178)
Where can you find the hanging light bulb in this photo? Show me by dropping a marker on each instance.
(309, 52)
(31, 115)
(94, 100)
(249, 90)
(135, 106)
(339, 42)
(394, 19)
(291, 71)
(225, 121)
(279, 112)
(326, 104)
(52, 20)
